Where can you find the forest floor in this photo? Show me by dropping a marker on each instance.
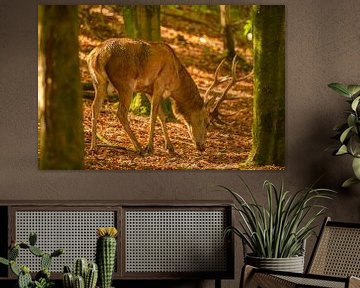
(198, 44)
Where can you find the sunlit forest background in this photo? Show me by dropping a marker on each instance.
(201, 37)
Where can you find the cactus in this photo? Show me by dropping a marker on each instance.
(24, 246)
(45, 261)
(43, 274)
(68, 280)
(14, 268)
(80, 267)
(24, 278)
(57, 252)
(79, 282)
(91, 276)
(105, 254)
(88, 273)
(67, 269)
(36, 251)
(13, 253)
(32, 239)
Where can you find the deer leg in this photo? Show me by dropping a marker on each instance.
(122, 114)
(100, 94)
(168, 144)
(155, 102)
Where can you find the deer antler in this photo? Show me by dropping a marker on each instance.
(215, 114)
(216, 82)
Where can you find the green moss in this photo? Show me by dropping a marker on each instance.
(140, 105)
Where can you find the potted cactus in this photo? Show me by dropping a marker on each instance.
(106, 254)
(42, 278)
(84, 275)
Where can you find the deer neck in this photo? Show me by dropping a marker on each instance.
(186, 95)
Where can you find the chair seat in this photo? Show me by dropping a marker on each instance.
(315, 281)
(268, 279)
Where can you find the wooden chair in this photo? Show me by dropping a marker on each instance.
(335, 262)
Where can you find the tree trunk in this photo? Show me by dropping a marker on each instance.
(269, 85)
(62, 139)
(142, 22)
(148, 19)
(228, 39)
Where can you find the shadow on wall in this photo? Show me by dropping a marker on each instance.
(326, 170)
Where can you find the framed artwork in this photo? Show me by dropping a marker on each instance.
(161, 87)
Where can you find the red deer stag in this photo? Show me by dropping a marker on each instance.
(153, 68)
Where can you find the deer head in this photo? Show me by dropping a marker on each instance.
(200, 120)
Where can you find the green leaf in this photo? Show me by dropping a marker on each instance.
(345, 134)
(13, 253)
(340, 88)
(342, 150)
(4, 261)
(354, 146)
(45, 261)
(355, 103)
(356, 167)
(15, 268)
(351, 120)
(25, 269)
(349, 182)
(353, 89)
(36, 251)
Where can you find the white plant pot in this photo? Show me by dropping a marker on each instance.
(291, 264)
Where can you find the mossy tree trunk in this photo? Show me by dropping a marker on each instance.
(143, 22)
(269, 85)
(62, 139)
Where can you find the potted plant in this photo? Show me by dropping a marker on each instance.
(106, 254)
(42, 278)
(84, 274)
(275, 234)
(349, 132)
(87, 274)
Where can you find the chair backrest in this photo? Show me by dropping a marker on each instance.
(337, 251)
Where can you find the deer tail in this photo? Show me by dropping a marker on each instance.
(97, 69)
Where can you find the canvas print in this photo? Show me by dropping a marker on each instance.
(161, 87)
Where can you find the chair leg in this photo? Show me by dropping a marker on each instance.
(217, 283)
